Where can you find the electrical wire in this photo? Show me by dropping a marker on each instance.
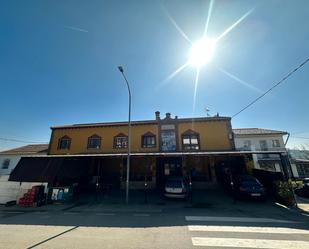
(270, 89)
(21, 141)
(300, 137)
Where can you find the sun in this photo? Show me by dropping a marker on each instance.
(202, 52)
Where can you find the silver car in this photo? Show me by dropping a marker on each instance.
(176, 188)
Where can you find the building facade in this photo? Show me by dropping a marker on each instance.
(159, 135)
(256, 139)
(160, 148)
(299, 163)
(11, 191)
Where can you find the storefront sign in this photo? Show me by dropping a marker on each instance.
(168, 127)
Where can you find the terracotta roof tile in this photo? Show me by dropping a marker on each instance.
(257, 131)
(28, 149)
(141, 122)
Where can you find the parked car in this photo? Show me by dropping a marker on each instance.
(304, 191)
(176, 188)
(246, 186)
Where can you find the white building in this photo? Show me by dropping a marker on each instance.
(299, 163)
(256, 139)
(11, 191)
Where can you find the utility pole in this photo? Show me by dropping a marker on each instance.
(129, 135)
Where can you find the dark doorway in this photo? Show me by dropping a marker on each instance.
(89, 175)
(228, 167)
(167, 167)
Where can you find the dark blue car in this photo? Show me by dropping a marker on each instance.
(246, 186)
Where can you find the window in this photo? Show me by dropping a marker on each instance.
(263, 145)
(64, 143)
(268, 166)
(94, 142)
(303, 170)
(247, 145)
(190, 140)
(148, 140)
(6, 163)
(276, 143)
(120, 141)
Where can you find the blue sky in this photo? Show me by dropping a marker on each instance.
(59, 59)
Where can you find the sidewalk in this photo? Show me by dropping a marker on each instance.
(45, 208)
(115, 202)
(204, 201)
(303, 204)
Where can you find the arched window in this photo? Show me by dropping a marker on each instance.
(94, 142)
(64, 143)
(120, 141)
(190, 140)
(148, 140)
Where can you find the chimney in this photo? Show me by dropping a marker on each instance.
(168, 115)
(157, 115)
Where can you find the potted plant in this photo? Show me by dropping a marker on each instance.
(284, 193)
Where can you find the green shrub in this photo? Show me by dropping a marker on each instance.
(296, 184)
(284, 189)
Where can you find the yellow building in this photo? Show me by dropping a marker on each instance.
(158, 135)
(162, 147)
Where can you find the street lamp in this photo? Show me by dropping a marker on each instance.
(129, 135)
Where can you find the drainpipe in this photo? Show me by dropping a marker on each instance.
(287, 139)
(288, 163)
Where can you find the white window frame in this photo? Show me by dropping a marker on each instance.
(276, 143)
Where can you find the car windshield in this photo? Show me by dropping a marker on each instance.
(248, 180)
(174, 184)
(250, 183)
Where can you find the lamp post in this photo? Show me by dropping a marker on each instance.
(129, 135)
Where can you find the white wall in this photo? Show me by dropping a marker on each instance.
(12, 191)
(294, 170)
(255, 142)
(255, 146)
(14, 159)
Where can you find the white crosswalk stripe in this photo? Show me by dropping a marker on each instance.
(244, 229)
(236, 219)
(249, 243)
(207, 234)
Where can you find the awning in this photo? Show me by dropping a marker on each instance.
(180, 153)
(36, 169)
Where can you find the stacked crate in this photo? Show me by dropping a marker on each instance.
(34, 197)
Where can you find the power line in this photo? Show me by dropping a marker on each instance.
(300, 137)
(270, 89)
(20, 141)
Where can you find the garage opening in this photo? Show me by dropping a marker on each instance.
(81, 176)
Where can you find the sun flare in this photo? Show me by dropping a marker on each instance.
(202, 52)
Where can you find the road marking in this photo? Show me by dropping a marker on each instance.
(243, 229)
(44, 217)
(106, 214)
(142, 215)
(236, 219)
(13, 212)
(280, 205)
(40, 212)
(249, 243)
(70, 213)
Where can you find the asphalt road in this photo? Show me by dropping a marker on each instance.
(236, 226)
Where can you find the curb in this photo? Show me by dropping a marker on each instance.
(294, 210)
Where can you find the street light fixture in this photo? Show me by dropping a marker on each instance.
(129, 135)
